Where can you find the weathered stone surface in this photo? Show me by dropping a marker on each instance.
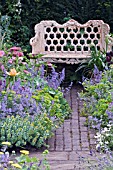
(59, 131)
(65, 166)
(51, 143)
(59, 143)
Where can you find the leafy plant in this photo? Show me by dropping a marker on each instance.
(26, 131)
(97, 96)
(97, 59)
(24, 161)
(98, 106)
(54, 103)
(4, 30)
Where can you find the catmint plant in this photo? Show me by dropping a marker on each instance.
(29, 98)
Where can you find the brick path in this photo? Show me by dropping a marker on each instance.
(72, 140)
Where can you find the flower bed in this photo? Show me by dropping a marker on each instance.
(98, 106)
(32, 104)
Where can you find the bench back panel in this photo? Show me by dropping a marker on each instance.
(70, 37)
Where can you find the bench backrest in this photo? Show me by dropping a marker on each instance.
(71, 37)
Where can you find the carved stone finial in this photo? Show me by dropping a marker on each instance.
(71, 20)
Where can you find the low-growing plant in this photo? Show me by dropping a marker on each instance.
(26, 131)
(96, 161)
(22, 100)
(53, 101)
(97, 95)
(98, 101)
(105, 138)
(24, 161)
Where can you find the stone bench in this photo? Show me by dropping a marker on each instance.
(69, 43)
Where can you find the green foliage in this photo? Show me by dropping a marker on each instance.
(97, 58)
(4, 30)
(98, 108)
(19, 32)
(23, 131)
(22, 161)
(54, 103)
(97, 97)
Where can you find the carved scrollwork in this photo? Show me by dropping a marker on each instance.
(36, 41)
(60, 60)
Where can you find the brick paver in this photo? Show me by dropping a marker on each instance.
(72, 140)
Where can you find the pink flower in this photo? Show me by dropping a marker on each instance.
(15, 53)
(10, 61)
(24, 63)
(15, 48)
(25, 71)
(49, 64)
(13, 58)
(2, 53)
(18, 53)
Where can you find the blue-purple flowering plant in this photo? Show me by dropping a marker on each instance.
(30, 95)
(23, 160)
(96, 161)
(97, 97)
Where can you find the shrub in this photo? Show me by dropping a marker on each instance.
(22, 100)
(39, 106)
(23, 131)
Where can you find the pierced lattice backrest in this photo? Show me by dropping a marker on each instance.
(70, 37)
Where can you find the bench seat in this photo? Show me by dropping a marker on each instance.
(64, 58)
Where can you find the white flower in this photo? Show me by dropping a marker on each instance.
(106, 129)
(37, 83)
(7, 153)
(98, 147)
(101, 143)
(106, 142)
(107, 134)
(20, 58)
(98, 135)
(109, 125)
